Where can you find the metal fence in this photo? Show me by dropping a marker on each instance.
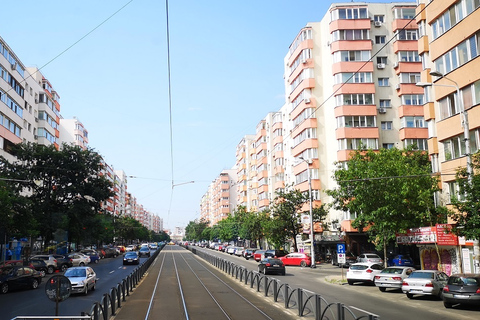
(112, 300)
(306, 303)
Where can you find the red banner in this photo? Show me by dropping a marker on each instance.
(440, 234)
(444, 235)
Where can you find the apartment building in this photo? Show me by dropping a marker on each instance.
(73, 132)
(449, 46)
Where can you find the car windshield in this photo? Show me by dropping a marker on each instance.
(131, 255)
(75, 273)
(372, 256)
(392, 270)
(274, 261)
(464, 281)
(358, 267)
(422, 275)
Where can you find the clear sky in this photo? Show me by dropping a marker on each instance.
(226, 75)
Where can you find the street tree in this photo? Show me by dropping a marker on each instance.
(388, 191)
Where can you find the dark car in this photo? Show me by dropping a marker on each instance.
(63, 262)
(131, 257)
(94, 256)
(462, 288)
(40, 266)
(271, 265)
(275, 253)
(248, 253)
(15, 277)
(402, 260)
(350, 259)
(110, 252)
(144, 251)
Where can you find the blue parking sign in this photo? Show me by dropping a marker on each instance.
(340, 248)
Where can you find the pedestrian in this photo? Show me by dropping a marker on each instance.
(9, 254)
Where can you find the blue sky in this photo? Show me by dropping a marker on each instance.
(226, 75)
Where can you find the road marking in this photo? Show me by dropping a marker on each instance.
(367, 312)
(112, 271)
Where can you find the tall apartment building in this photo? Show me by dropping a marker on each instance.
(449, 46)
(220, 198)
(73, 132)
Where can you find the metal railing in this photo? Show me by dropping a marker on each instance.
(306, 303)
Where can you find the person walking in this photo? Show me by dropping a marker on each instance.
(9, 254)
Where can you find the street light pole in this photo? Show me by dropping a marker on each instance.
(312, 238)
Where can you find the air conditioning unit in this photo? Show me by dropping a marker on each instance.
(36, 101)
(14, 66)
(382, 110)
(381, 66)
(377, 23)
(395, 65)
(36, 119)
(35, 136)
(307, 101)
(397, 87)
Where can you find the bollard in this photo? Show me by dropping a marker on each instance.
(275, 291)
(300, 302)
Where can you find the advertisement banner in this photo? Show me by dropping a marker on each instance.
(417, 236)
(444, 235)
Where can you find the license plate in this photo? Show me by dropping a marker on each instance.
(416, 291)
(130, 260)
(460, 296)
(276, 265)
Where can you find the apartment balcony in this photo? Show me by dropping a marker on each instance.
(278, 169)
(278, 154)
(412, 111)
(405, 45)
(306, 103)
(423, 45)
(347, 45)
(277, 139)
(407, 67)
(432, 145)
(279, 185)
(306, 44)
(308, 83)
(262, 174)
(260, 133)
(263, 203)
(356, 110)
(413, 133)
(349, 24)
(451, 127)
(277, 125)
(303, 187)
(429, 111)
(302, 166)
(452, 166)
(408, 88)
(308, 63)
(352, 133)
(352, 66)
(348, 88)
(308, 123)
(406, 24)
(420, 13)
(306, 144)
(262, 188)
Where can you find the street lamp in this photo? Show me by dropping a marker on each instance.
(466, 138)
(312, 247)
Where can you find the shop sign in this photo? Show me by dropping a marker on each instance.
(417, 235)
(444, 235)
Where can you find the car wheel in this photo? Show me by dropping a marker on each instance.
(4, 288)
(50, 270)
(34, 284)
(447, 305)
(409, 295)
(64, 267)
(42, 273)
(350, 282)
(246, 258)
(382, 289)
(303, 264)
(81, 264)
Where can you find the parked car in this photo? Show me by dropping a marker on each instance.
(79, 259)
(392, 277)
(350, 258)
(401, 260)
(49, 260)
(39, 265)
(144, 251)
(15, 277)
(363, 272)
(297, 259)
(82, 279)
(94, 256)
(131, 257)
(17, 263)
(230, 250)
(424, 282)
(248, 253)
(370, 257)
(462, 288)
(271, 265)
(63, 262)
(275, 253)
(130, 247)
(259, 255)
(239, 252)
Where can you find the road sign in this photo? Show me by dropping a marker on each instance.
(341, 258)
(340, 248)
(58, 288)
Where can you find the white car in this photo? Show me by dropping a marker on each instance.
(370, 257)
(82, 279)
(424, 282)
(79, 259)
(392, 277)
(130, 247)
(363, 272)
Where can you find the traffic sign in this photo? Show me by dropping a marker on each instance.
(340, 248)
(341, 258)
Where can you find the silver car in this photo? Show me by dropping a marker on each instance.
(424, 282)
(82, 279)
(392, 277)
(370, 257)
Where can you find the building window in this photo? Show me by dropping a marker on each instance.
(387, 125)
(387, 145)
(378, 17)
(349, 13)
(421, 144)
(413, 122)
(356, 55)
(350, 77)
(354, 99)
(356, 122)
(384, 103)
(383, 82)
(380, 39)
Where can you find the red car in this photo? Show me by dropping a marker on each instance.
(257, 255)
(297, 259)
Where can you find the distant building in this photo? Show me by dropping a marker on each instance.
(73, 132)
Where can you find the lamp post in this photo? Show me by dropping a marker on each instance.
(312, 238)
(466, 138)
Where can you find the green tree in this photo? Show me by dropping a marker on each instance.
(194, 230)
(389, 191)
(64, 186)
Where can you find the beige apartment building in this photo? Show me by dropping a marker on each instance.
(221, 198)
